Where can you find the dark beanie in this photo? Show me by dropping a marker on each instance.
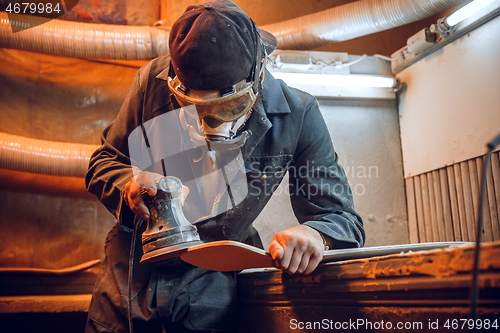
(214, 45)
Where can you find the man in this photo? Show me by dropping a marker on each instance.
(212, 116)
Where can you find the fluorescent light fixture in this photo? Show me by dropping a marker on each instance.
(351, 80)
(466, 11)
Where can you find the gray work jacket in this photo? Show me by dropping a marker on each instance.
(288, 133)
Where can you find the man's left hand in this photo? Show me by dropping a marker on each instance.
(298, 249)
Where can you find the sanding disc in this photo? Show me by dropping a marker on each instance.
(168, 252)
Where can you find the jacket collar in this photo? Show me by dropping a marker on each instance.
(273, 99)
(163, 74)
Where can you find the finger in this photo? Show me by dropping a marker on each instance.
(303, 264)
(313, 263)
(125, 197)
(141, 211)
(285, 261)
(185, 192)
(126, 191)
(308, 250)
(275, 250)
(137, 204)
(295, 261)
(286, 243)
(149, 183)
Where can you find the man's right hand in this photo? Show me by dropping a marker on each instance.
(132, 192)
(147, 181)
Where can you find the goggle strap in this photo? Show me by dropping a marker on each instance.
(183, 89)
(174, 101)
(227, 91)
(256, 71)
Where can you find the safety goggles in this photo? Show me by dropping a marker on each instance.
(226, 105)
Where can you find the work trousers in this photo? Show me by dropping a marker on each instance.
(169, 297)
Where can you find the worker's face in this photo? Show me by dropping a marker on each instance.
(220, 113)
(225, 105)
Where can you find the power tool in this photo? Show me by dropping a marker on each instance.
(168, 232)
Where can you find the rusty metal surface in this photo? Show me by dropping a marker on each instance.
(427, 288)
(437, 276)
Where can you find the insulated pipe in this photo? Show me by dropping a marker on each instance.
(353, 20)
(45, 157)
(82, 40)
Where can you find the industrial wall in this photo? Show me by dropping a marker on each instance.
(449, 110)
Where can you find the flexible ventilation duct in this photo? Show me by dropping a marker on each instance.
(353, 20)
(45, 157)
(337, 24)
(83, 40)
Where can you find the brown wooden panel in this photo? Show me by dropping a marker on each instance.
(439, 205)
(447, 212)
(469, 205)
(412, 211)
(455, 214)
(492, 205)
(474, 186)
(460, 202)
(487, 235)
(420, 210)
(426, 208)
(444, 203)
(432, 207)
(495, 168)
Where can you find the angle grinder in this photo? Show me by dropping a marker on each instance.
(168, 233)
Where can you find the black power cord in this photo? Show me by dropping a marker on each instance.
(475, 272)
(137, 224)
